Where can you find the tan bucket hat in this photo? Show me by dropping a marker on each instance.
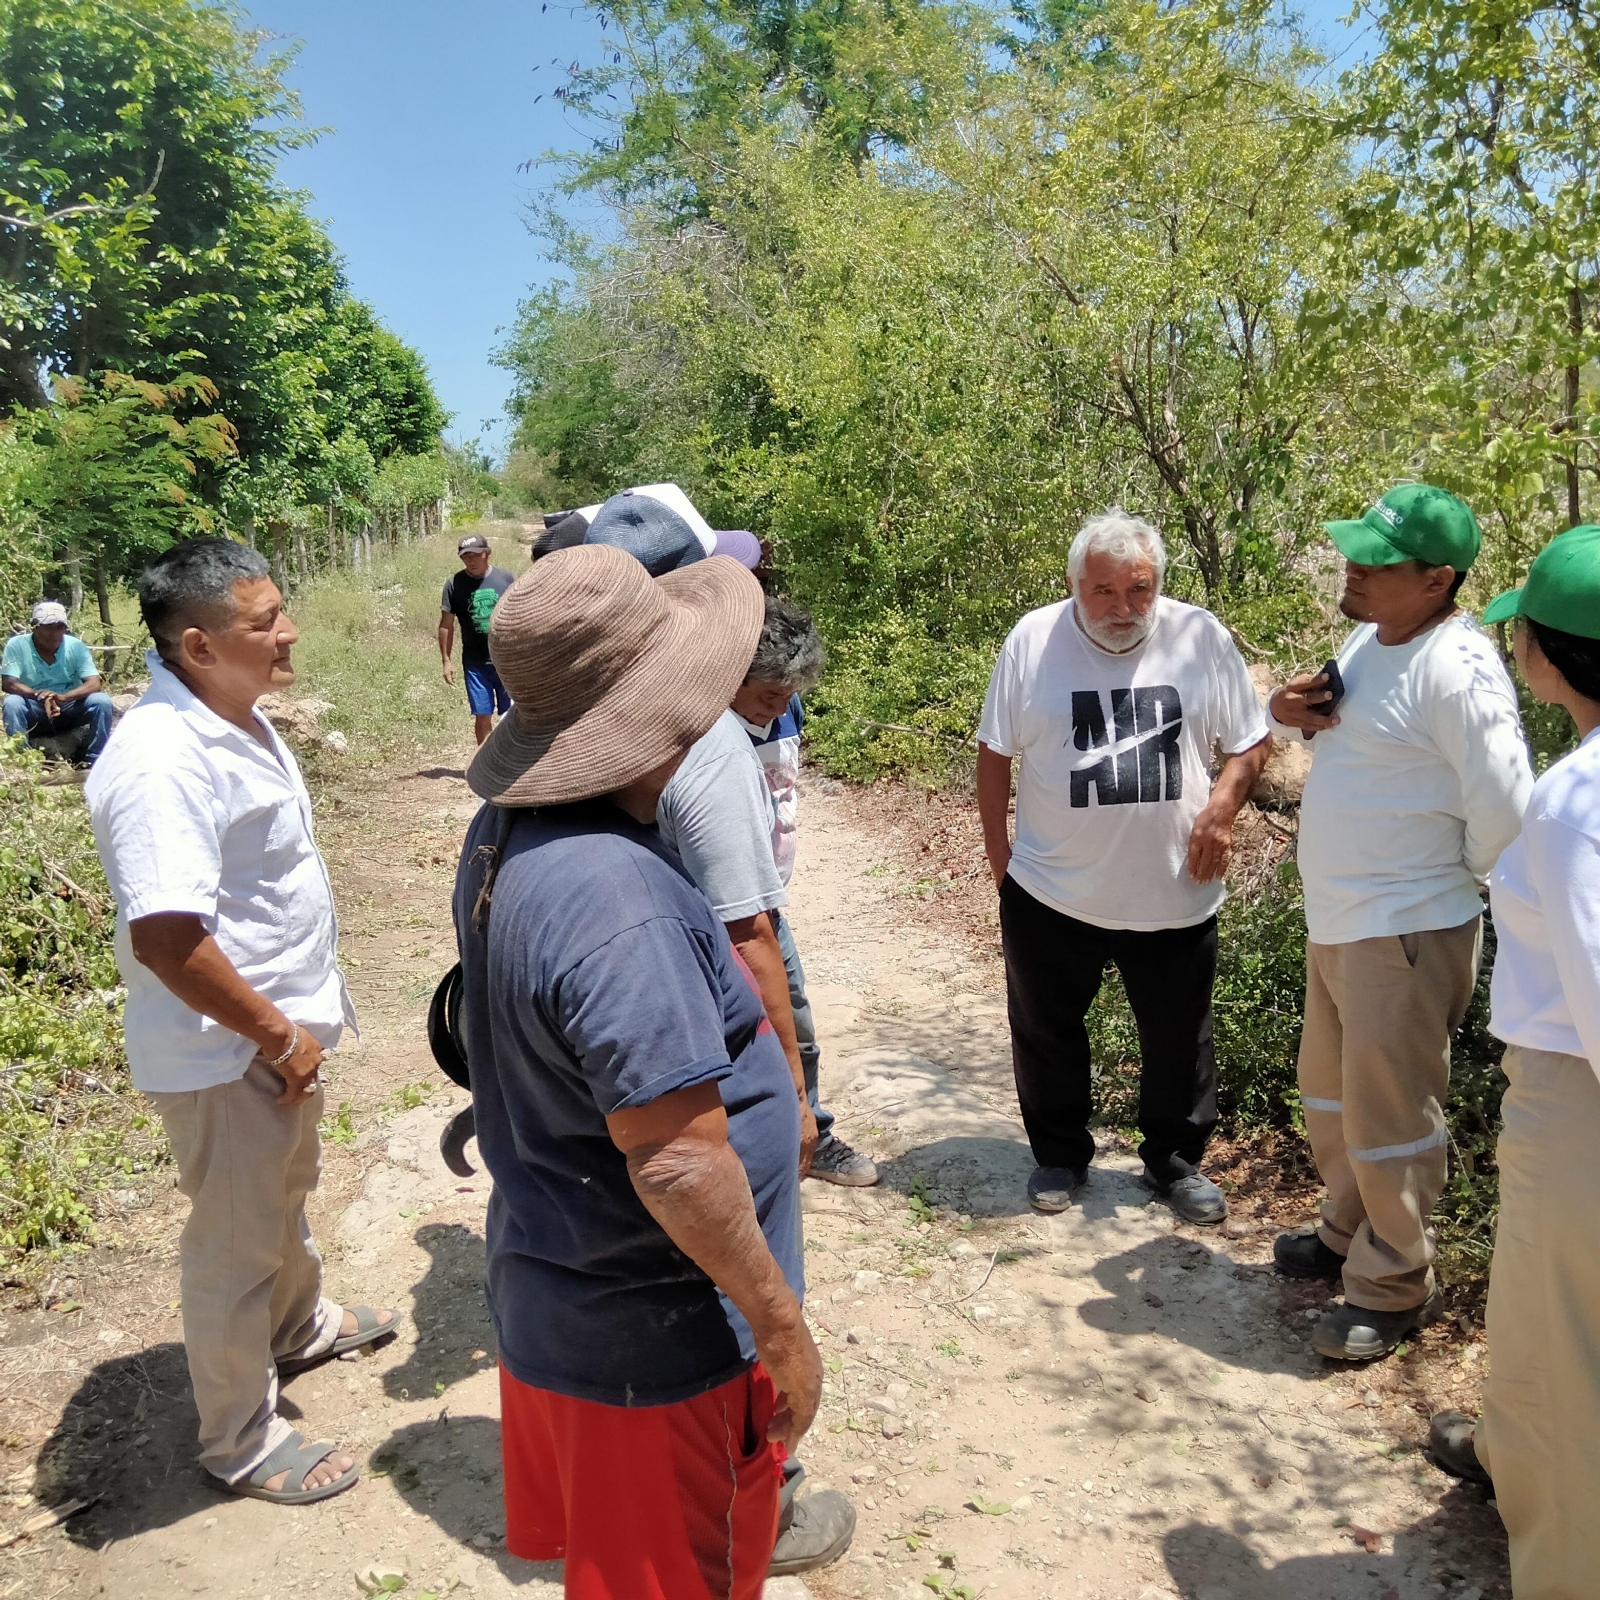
(610, 671)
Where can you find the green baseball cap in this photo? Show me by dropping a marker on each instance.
(1562, 589)
(1412, 522)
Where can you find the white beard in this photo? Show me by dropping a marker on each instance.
(1119, 638)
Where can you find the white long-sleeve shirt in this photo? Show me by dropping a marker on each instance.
(1545, 891)
(1411, 799)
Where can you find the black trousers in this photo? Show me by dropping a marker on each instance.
(1054, 968)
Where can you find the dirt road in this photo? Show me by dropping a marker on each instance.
(1102, 1404)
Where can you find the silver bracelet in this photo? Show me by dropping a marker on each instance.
(294, 1042)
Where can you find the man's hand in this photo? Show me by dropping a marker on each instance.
(300, 1071)
(51, 703)
(808, 1135)
(1211, 842)
(1295, 704)
(449, 672)
(795, 1367)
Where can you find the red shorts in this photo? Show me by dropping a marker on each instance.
(674, 1502)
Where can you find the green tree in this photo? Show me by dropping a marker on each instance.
(1484, 202)
(130, 131)
(111, 472)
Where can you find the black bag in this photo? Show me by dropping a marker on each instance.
(444, 1010)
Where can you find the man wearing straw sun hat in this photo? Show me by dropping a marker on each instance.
(632, 1102)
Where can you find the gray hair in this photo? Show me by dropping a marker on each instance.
(790, 650)
(191, 586)
(1120, 535)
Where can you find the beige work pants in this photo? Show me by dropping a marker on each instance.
(1540, 1433)
(1374, 1072)
(251, 1275)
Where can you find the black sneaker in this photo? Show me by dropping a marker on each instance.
(836, 1162)
(1353, 1333)
(1453, 1444)
(1195, 1198)
(1052, 1188)
(1302, 1254)
(819, 1533)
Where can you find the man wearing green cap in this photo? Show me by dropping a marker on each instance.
(1541, 1403)
(1418, 781)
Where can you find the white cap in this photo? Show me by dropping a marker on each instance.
(48, 611)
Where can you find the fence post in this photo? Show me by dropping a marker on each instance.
(279, 559)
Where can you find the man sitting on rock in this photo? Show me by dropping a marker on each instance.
(50, 682)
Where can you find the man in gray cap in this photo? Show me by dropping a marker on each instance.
(469, 598)
(51, 683)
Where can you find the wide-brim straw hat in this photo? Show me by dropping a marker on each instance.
(610, 671)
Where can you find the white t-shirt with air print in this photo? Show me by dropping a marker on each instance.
(1116, 755)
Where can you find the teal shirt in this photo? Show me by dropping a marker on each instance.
(72, 665)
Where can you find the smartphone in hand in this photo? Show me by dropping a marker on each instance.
(1335, 687)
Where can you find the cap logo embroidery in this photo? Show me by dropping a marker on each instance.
(1389, 514)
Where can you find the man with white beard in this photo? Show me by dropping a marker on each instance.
(1114, 700)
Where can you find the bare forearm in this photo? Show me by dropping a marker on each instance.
(994, 806)
(1236, 781)
(699, 1194)
(88, 687)
(447, 639)
(757, 941)
(193, 966)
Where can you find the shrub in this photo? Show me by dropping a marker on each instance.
(62, 1121)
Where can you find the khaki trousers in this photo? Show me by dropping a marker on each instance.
(1374, 1073)
(251, 1276)
(1540, 1433)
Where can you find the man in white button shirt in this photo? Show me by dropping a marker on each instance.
(1419, 778)
(226, 939)
(1115, 700)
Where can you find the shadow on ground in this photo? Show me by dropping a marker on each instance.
(455, 1338)
(1463, 1540)
(448, 1470)
(128, 1435)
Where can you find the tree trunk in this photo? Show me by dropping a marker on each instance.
(74, 566)
(102, 595)
(250, 531)
(300, 552)
(366, 549)
(333, 541)
(1575, 327)
(279, 559)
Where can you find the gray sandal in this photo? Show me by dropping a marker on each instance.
(368, 1329)
(297, 1458)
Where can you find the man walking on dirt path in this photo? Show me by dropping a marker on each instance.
(226, 939)
(633, 1104)
(1114, 700)
(1419, 778)
(469, 598)
(51, 683)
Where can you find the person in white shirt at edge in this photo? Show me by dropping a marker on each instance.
(1418, 781)
(1114, 700)
(1541, 1403)
(226, 939)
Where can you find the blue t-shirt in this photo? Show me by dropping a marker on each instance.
(606, 981)
(72, 666)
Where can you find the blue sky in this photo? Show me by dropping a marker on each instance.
(432, 110)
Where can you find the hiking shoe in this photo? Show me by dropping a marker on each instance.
(1302, 1254)
(1453, 1444)
(1052, 1188)
(820, 1532)
(1195, 1198)
(1353, 1333)
(836, 1162)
